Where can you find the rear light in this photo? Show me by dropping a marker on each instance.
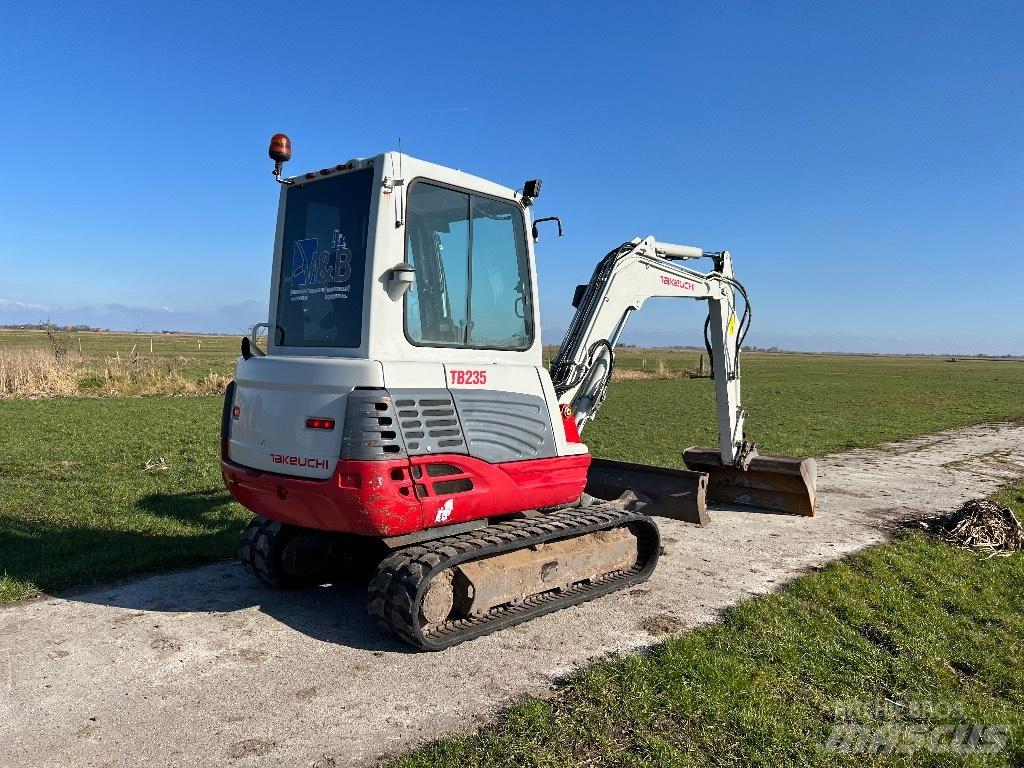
(320, 423)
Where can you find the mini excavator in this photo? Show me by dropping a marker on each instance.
(399, 412)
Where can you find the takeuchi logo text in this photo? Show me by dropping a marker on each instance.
(299, 461)
(676, 282)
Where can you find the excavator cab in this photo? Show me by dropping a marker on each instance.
(403, 315)
(402, 405)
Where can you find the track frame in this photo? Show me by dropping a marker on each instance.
(397, 589)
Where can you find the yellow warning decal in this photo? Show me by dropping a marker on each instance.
(732, 325)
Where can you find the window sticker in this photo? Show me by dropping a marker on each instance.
(324, 272)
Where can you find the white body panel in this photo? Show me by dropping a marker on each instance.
(410, 373)
(275, 395)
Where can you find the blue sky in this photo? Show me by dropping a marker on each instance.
(864, 162)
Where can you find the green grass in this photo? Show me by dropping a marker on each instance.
(77, 506)
(913, 623)
(217, 349)
(1012, 497)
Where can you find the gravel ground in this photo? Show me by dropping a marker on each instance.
(206, 667)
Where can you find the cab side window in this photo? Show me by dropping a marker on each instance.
(472, 284)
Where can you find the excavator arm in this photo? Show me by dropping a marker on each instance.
(622, 281)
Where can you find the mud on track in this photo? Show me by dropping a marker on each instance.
(207, 667)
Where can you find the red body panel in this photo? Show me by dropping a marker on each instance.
(391, 498)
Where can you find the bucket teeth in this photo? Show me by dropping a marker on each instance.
(770, 482)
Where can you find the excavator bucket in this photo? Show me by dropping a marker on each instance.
(676, 493)
(772, 483)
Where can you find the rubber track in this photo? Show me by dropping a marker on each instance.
(256, 549)
(397, 589)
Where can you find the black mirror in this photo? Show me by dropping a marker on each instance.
(536, 231)
(250, 350)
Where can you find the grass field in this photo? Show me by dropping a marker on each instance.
(808, 404)
(216, 350)
(35, 364)
(78, 506)
(907, 635)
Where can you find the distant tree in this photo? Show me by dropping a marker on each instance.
(60, 340)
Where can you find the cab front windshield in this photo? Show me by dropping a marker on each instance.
(323, 262)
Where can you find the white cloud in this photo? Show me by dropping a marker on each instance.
(6, 305)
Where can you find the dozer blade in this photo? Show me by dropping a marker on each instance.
(676, 493)
(774, 483)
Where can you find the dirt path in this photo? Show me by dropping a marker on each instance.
(205, 667)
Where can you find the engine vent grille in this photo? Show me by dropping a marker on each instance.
(371, 427)
(429, 422)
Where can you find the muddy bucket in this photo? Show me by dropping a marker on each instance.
(774, 483)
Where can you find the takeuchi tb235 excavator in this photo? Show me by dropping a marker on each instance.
(400, 411)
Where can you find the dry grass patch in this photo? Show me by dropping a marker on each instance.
(624, 374)
(38, 373)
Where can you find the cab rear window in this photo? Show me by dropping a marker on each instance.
(323, 262)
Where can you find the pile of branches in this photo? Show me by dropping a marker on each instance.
(982, 525)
